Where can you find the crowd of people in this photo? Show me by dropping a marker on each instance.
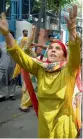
(59, 89)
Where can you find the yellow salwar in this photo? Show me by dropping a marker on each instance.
(25, 101)
(55, 91)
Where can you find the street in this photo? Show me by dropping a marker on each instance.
(14, 123)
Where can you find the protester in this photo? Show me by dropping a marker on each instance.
(24, 34)
(25, 101)
(56, 81)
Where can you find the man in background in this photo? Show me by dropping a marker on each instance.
(24, 34)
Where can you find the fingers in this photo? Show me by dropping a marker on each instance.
(71, 21)
(3, 16)
(75, 10)
(3, 20)
(33, 29)
(33, 26)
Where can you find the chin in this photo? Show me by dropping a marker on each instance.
(52, 60)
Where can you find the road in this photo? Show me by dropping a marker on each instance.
(14, 123)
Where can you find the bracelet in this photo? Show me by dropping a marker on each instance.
(6, 32)
(72, 28)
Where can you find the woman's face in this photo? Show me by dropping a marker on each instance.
(55, 53)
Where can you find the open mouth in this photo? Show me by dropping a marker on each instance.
(53, 55)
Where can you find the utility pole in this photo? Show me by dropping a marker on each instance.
(2, 6)
(13, 16)
(12, 9)
(60, 18)
(42, 14)
(20, 9)
(29, 8)
(39, 20)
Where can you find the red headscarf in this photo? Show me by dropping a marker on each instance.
(62, 45)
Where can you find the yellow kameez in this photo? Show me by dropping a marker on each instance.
(55, 90)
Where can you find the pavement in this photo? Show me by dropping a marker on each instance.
(17, 124)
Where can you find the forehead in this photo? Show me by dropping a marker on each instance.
(55, 45)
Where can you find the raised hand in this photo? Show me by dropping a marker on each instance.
(71, 21)
(33, 28)
(4, 30)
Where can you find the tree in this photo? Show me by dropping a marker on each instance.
(36, 8)
(56, 4)
(8, 2)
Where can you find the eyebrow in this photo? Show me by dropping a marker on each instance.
(50, 46)
(58, 46)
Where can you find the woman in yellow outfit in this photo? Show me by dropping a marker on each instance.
(56, 82)
(25, 101)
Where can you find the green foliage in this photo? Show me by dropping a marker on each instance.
(54, 5)
(57, 4)
(36, 6)
(8, 2)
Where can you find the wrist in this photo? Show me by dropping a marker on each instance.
(72, 28)
(72, 32)
(6, 32)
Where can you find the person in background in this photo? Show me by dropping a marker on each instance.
(16, 81)
(25, 101)
(22, 40)
(11, 84)
(24, 34)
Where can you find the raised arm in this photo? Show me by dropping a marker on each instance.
(74, 41)
(30, 39)
(4, 30)
(18, 55)
(24, 60)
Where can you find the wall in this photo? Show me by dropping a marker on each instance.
(21, 25)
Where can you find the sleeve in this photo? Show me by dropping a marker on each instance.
(29, 51)
(24, 60)
(74, 55)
